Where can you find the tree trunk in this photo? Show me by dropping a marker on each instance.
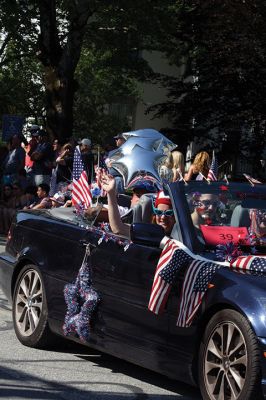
(60, 61)
(60, 90)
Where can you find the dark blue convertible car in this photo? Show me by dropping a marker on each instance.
(209, 328)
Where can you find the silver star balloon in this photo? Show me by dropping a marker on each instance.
(142, 154)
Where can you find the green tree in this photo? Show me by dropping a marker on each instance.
(220, 46)
(54, 31)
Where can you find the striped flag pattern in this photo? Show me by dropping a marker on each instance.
(249, 263)
(199, 274)
(213, 171)
(197, 277)
(160, 288)
(195, 285)
(81, 193)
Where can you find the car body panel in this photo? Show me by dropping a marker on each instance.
(123, 325)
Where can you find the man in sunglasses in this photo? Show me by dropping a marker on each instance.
(205, 209)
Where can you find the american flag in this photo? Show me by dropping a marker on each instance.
(249, 263)
(197, 278)
(78, 166)
(213, 171)
(81, 193)
(172, 259)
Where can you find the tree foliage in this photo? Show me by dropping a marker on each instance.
(108, 35)
(220, 96)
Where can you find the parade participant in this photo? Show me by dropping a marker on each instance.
(58, 200)
(163, 212)
(166, 171)
(44, 200)
(258, 223)
(138, 190)
(178, 166)
(205, 210)
(200, 165)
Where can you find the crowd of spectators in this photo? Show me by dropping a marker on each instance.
(37, 173)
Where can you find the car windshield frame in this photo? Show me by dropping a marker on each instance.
(232, 194)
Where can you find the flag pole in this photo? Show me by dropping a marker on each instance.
(181, 177)
(204, 177)
(226, 179)
(98, 163)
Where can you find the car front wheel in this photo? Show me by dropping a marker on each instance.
(30, 316)
(229, 360)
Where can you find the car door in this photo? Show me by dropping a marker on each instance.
(124, 281)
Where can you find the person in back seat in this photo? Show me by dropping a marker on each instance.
(205, 210)
(139, 189)
(164, 214)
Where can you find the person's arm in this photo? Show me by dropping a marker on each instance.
(117, 226)
(190, 173)
(45, 203)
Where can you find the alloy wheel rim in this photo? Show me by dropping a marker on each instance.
(29, 301)
(225, 363)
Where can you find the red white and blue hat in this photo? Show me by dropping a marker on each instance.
(162, 198)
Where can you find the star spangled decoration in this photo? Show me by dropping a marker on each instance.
(139, 161)
(143, 152)
(81, 300)
(179, 260)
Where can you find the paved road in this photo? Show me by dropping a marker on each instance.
(75, 372)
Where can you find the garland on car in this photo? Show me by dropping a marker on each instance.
(80, 297)
(82, 300)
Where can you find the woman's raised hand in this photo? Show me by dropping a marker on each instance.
(107, 182)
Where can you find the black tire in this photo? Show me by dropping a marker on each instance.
(30, 314)
(229, 359)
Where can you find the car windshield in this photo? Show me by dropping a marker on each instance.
(222, 213)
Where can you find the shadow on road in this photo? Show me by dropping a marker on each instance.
(152, 378)
(18, 384)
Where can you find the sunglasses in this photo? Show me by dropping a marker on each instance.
(208, 203)
(160, 213)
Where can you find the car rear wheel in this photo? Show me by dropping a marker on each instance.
(229, 359)
(30, 316)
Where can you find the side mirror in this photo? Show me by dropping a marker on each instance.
(147, 234)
